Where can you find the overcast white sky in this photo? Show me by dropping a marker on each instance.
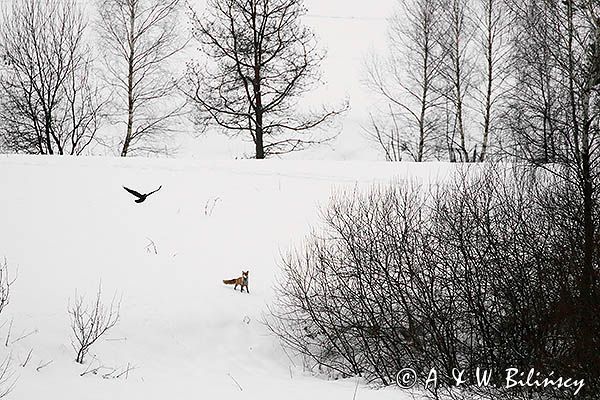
(348, 30)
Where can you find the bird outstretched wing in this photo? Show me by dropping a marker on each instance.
(133, 192)
(154, 191)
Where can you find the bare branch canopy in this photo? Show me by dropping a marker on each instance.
(262, 60)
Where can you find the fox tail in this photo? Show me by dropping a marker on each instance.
(229, 281)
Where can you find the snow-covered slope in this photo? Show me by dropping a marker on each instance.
(67, 225)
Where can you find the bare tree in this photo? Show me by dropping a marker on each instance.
(493, 39)
(536, 99)
(262, 60)
(566, 37)
(406, 81)
(91, 321)
(50, 104)
(139, 38)
(458, 75)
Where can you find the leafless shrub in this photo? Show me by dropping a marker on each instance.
(388, 138)
(7, 379)
(151, 247)
(27, 358)
(43, 365)
(117, 373)
(478, 272)
(5, 284)
(210, 205)
(91, 321)
(108, 372)
(24, 334)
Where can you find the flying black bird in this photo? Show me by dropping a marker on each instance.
(141, 197)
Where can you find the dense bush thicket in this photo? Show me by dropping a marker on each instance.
(481, 271)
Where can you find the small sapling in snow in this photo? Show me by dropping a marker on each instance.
(91, 321)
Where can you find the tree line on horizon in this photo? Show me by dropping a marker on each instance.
(259, 59)
(461, 81)
(473, 80)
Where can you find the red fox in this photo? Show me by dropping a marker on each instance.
(242, 281)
